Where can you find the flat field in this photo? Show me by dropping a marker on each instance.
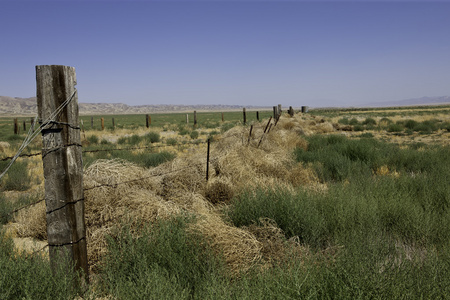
(342, 204)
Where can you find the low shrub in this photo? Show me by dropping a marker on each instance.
(92, 139)
(17, 178)
(344, 121)
(152, 137)
(171, 141)
(134, 140)
(166, 262)
(358, 128)
(105, 142)
(353, 121)
(194, 134)
(369, 121)
(30, 276)
(395, 128)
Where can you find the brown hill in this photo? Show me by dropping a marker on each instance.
(27, 106)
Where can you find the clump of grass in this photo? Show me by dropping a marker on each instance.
(30, 276)
(105, 142)
(92, 139)
(171, 141)
(134, 139)
(358, 128)
(174, 262)
(336, 158)
(369, 121)
(194, 134)
(122, 140)
(227, 126)
(152, 137)
(366, 135)
(344, 121)
(17, 177)
(353, 121)
(395, 128)
(385, 122)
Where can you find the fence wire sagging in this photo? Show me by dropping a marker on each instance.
(245, 135)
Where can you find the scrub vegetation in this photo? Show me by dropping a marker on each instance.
(342, 204)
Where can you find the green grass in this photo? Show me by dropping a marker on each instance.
(30, 277)
(172, 120)
(17, 178)
(165, 262)
(336, 158)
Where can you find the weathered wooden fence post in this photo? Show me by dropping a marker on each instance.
(24, 126)
(148, 120)
(195, 118)
(102, 120)
(187, 118)
(63, 166)
(275, 112)
(250, 134)
(92, 122)
(223, 118)
(16, 126)
(257, 115)
(245, 115)
(291, 111)
(207, 160)
(32, 124)
(279, 109)
(113, 123)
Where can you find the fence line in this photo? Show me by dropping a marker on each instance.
(122, 149)
(5, 216)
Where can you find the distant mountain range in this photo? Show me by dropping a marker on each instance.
(27, 106)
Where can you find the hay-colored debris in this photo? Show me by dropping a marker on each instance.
(118, 191)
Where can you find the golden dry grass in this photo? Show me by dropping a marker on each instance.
(119, 191)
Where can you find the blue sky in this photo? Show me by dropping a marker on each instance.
(315, 53)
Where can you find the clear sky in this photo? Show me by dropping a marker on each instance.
(315, 53)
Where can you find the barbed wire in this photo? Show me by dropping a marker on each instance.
(114, 185)
(114, 149)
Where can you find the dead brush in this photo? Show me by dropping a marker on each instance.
(219, 191)
(240, 249)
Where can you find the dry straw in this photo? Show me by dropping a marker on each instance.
(118, 191)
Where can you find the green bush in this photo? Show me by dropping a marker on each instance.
(445, 126)
(369, 121)
(17, 178)
(336, 158)
(14, 138)
(395, 128)
(122, 140)
(358, 128)
(353, 121)
(92, 139)
(194, 134)
(166, 262)
(152, 137)
(410, 124)
(226, 126)
(171, 141)
(344, 121)
(134, 139)
(366, 135)
(30, 277)
(105, 142)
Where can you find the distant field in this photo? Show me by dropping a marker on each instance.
(204, 119)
